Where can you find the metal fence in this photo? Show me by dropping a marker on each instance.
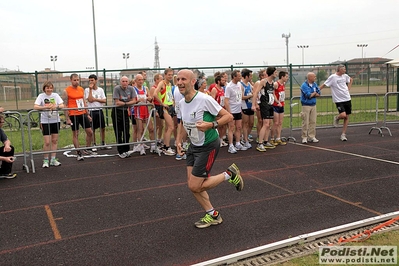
(18, 89)
(365, 111)
(32, 139)
(368, 110)
(391, 111)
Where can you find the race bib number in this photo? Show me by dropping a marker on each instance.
(239, 97)
(250, 99)
(222, 101)
(80, 104)
(282, 96)
(169, 96)
(192, 131)
(142, 98)
(271, 98)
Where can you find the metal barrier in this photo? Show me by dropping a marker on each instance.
(14, 123)
(391, 107)
(364, 111)
(65, 150)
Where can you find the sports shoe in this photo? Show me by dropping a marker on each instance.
(268, 145)
(343, 137)
(129, 153)
(160, 142)
(181, 157)
(304, 140)
(145, 146)
(232, 149)
(142, 149)
(169, 152)
(94, 150)
(235, 178)
(336, 121)
(123, 155)
(105, 147)
(240, 147)
(8, 176)
(223, 143)
(247, 145)
(209, 220)
(45, 163)
(273, 142)
(88, 152)
(136, 148)
(154, 148)
(55, 162)
(279, 142)
(313, 140)
(250, 138)
(80, 157)
(260, 148)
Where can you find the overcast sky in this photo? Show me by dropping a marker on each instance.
(193, 33)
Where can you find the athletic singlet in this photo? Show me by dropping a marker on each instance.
(165, 94)
(267, 93)
(155, 101)
(279, 94)
(247, 104)
(76, 100)
(219, 97)
(141, 112)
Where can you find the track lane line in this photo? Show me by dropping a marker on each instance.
(347, 202)
(53, 224)
(349, 153)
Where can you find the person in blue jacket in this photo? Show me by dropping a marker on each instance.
(309, 92)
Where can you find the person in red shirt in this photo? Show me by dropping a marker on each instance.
(278, 107)
(159, 121)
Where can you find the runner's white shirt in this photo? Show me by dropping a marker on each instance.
(202, 107)
(339, 87)
(98, 94)
(234, 93)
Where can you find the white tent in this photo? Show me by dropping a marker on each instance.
(393, 63)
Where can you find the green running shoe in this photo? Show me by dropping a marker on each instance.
(236, 178)
(209, 220)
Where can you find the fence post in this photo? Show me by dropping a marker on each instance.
(397, 89)
(16, 93)
(37, 82)
(106, 98)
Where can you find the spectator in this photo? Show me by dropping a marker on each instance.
(49, 121)
(96, 98)
(309, 92)
(124, 96)
(73, 97)
(6, 154)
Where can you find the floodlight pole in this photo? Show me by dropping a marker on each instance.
(303, 53)
(286, 36)
(95, 38)
(361, 74)
(53, 59)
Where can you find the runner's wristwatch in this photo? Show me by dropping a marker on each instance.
(215, 124)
